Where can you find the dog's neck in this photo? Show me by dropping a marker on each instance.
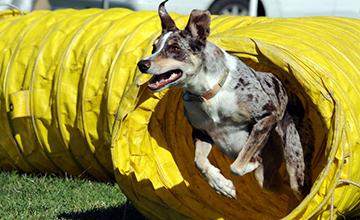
(210, 71)
(211, 76)
(188, 96)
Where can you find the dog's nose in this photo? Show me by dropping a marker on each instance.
(144, 65)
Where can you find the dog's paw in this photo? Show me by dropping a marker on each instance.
(249, 167)
(220, 184)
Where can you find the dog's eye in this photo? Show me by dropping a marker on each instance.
(175, 49)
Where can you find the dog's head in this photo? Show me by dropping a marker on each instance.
(177, 54)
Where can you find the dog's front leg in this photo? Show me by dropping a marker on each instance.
(203, 144)
(246, 160)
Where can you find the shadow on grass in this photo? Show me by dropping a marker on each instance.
(125, 212)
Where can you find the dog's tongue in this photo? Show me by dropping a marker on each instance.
(162, 80)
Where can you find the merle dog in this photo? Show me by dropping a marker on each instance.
(247, 114)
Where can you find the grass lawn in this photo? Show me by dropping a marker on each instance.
(24, 196)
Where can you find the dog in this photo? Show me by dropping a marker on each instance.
(247, 114)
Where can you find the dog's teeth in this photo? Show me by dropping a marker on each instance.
(173, 75)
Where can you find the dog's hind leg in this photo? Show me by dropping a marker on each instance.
(203, 144)
(304, 128)
(293, 155)
(268, 174)
(248, 160)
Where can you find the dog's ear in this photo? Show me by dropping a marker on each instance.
(199, 25)
(167, 22)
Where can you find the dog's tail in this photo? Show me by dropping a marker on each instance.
(304, 126)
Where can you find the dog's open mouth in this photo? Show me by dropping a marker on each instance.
(159, 81)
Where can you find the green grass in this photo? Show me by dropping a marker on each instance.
(49, 197)
(24, 196)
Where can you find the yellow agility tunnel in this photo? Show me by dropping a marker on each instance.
(72, 101)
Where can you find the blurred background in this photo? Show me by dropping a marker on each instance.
(269, 8)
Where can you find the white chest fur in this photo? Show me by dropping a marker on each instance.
(223, 122)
